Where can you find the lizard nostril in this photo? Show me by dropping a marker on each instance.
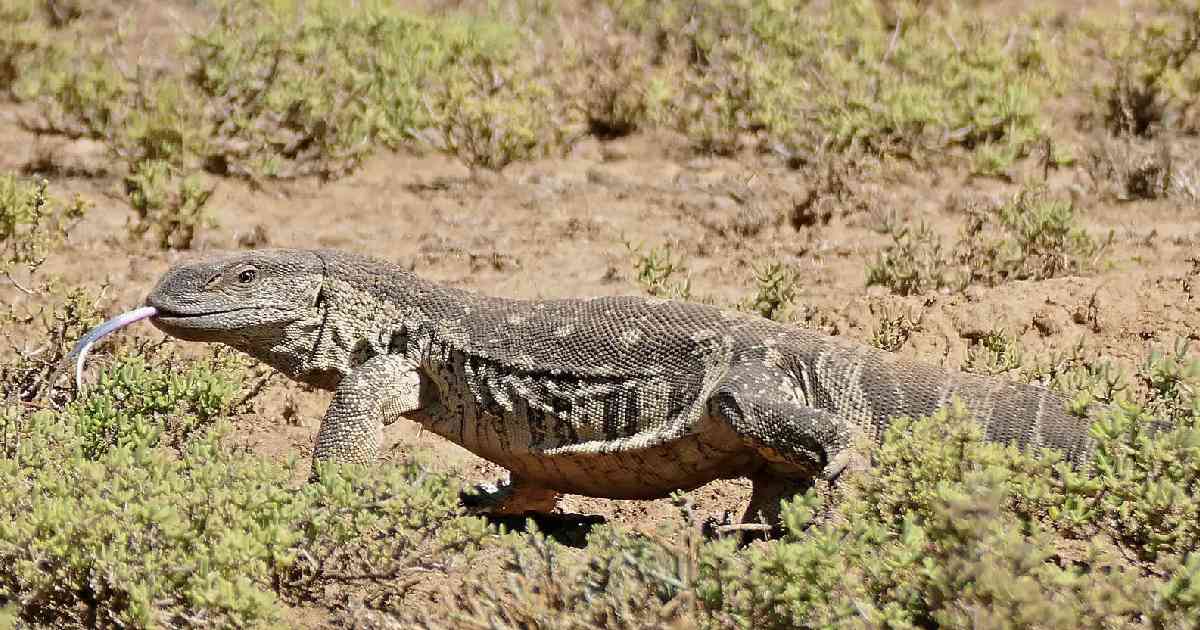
(211, 281)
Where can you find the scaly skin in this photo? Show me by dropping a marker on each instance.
(618, 397)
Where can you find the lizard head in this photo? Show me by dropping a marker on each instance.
(221, 298)
(266, 303)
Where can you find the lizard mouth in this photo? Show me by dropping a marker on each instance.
(198, 326)
(167, 316)
(164, 313)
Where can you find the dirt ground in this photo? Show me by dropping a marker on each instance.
(559, 227)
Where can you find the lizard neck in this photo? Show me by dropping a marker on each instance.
(367, 309)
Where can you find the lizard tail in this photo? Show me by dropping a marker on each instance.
(870, 387)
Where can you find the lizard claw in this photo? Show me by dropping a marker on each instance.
(848, 460)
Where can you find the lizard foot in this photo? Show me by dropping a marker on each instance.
(509, 498)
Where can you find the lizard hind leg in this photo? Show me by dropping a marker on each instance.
(796, 443)
(768, 493)
(514, 497)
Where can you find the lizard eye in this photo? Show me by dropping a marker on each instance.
(247, 276)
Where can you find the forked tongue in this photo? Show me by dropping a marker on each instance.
(80, 351)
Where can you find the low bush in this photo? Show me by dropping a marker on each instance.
(847, 76)
(619, 580)
(661, 272)
(1152, 57)
(947, 530)
(775, 293)
(174, 208)
(141, 537)
(894, 327)
(32, 223)
(128, 506)
(915, 262)
(1030, 236)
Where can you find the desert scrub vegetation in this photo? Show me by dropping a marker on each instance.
(163, 522)
(619, 581)
(209, 535)
(32, 222)
(285, 89)
(175, 216)
(21, 37)
(128, 505)
(1152, 56)
(776, 287)
(660, 271)
(947, 531)
(1030, 236)
(893, 326)
(813, 78)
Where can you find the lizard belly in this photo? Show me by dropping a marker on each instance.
(636, 467)
(637, 473)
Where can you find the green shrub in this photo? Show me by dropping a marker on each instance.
(844, 76)
(84, 94)
(307, 88)
(611, 81)
(914, 263)
(214, 536)
(21, 38)
(175, 216)
(1152, 52)
(995, 353)
(127, 506)
(775, 293)
(32, 223)
(138, 403)
(948, 530)
(40, 340)
(1031, 236)
(619, 580)
(314, 87)
(494, 116)
(102, 531)
(894, 328)
(658, 271)
(1171, 381)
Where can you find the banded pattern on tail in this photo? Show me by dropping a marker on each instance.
(870, 387)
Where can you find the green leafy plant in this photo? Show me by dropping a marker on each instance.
(22, 37)
(32, 223)
(138, 538)
(493, 118)
(136, 403)
(176, 216)
(894, 328)
(658, 271)
(995, 353)
(1171, 381)
(1153, 56)
(1032, 236)
(620, 580)
(900, 80)
(915, 261)
(776, 291)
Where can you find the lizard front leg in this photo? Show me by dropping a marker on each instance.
(514, 497)
(376, 393)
